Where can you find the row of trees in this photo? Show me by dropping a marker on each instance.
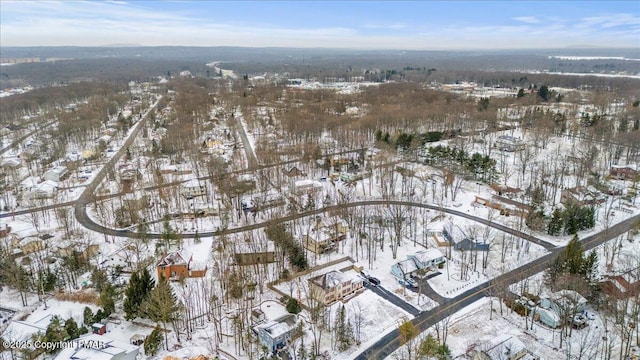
(571, 219)
(288, 246)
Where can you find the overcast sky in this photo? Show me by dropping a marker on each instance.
(360, 24)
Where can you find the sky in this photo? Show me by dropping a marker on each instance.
(409, 25)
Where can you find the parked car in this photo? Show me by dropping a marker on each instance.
(374, 281)
(409, 283)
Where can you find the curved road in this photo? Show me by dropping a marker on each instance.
(90, 224)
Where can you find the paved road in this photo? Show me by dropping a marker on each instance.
(390, 342)
(393, 298)
(252, 160)
(23, 137)
(426, 289)
(87, 195)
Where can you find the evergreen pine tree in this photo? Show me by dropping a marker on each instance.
(161, 306)
(137, 292)
(87, 316)
(153, 341)
(344, 331)
(555, 224)
(71, 328)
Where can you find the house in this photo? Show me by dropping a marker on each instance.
(248, 252)
(333, 224)
(318, 242)
(257, 316)
(276, 334)
(621, 286)
(504, 190)
(624, 172)
(45, 190)
(404, 269)
(10, 163)
(503, 347)
(294, 171)
(581, 196)
(566, 302)
(179, 264)
(269, 200)
(470, 245)
(301, 187)
(192, 188)
(101, 347)
(509, 143)
(56, 174)
(428, 258)
(423, 260)
(322, 240)
(18, 330)
(547, 317)
(335, 285)
(32, 244)
(5, 231)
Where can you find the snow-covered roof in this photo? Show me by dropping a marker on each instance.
(629, 166)
(428, 255)
(22, 330)
(407, 266)
(58, 170)
(279, 326)
(97, 347)
(505, 347)
(176, 258)
(332, 279)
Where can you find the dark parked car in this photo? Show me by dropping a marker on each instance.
(374, 281)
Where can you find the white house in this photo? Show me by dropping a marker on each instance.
(44, 190)
(24, 330)
(192, 188)
(101, 347)
(509, 143)
(55, 174)
(307, 186)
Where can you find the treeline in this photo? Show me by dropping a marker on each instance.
(49, 98)
(405, 140)
(480, 166)
(102, 70)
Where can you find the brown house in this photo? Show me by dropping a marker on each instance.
(624, 172)
(180, 264)
(581, 196)
(621, 286)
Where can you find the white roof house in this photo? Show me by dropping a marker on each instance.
(45, 189)
(55, 174)
(506, 347)
(99, 347)
(23, 330)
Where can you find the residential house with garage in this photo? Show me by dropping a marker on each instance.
(180, 264)
(335, 285)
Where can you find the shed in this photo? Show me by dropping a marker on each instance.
(99, 328)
